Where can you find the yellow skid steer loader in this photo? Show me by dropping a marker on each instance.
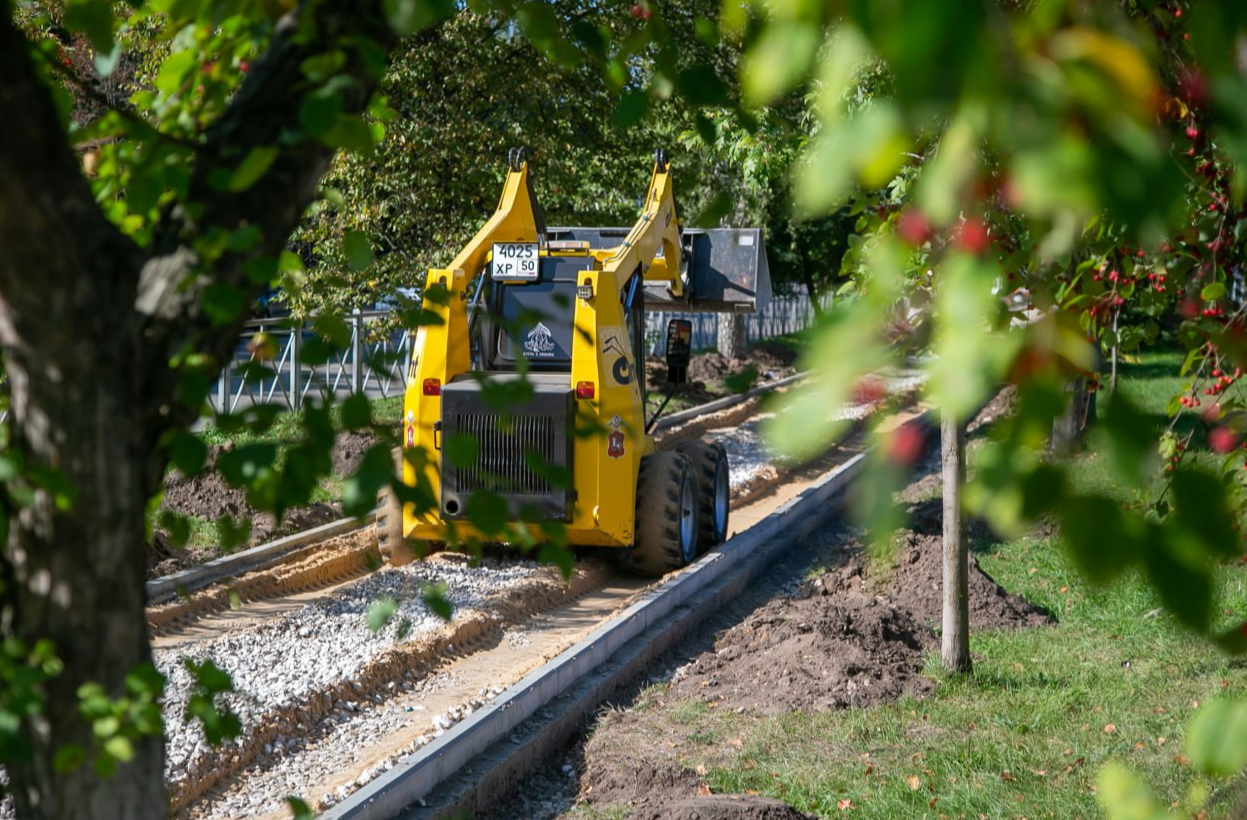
(502, 388)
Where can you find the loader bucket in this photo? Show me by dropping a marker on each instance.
(727, 267)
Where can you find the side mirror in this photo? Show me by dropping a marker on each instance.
(679, 347)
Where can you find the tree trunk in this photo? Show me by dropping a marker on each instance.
(88, 328)
(811, 289)
(1112, 380)
(1070, 428)
(955, 646)
(731, 341)
(77, 567)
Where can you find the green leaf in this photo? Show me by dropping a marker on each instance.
(224, 303)
(488, 512)
(106, 61)
(1213, 292)
(380, 612)
(358, 250)
(333, 328)
(1201, 509)
(1216, 739)
(359, 491)
(188, 453)
(253, 166)
(461, 449)
(120, 748)
(630, 109)
(779, 59)
(742, 381)
(1098, 536)
(173, 71)
(436, 598)
(349, 132)
(94, 18)
(298, 809)
(701, 86)
(410, 16)
(1124, 796)
(1185, 586)
(68, 758)
(356, 411)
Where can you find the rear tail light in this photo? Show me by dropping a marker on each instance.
(432, 387)
(584, 390)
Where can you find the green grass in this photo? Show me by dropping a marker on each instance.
(1025, 736)
(287, 428)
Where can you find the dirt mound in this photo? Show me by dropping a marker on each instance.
(349, 449)
(210, 497)
(813, 653)
(163, 556)
(206, 495)
(853, 637)
(719, 807)
(609, 780)
(916, 578)
(712, 367)
(768, 354)
(669, 791)
(694, 391)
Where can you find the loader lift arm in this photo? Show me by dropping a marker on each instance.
(654, 244)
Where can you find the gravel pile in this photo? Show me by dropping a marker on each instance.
(295, 660)
(752, 460)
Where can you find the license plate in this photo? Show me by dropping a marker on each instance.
(515, 260)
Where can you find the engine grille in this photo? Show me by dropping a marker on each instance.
(506, 453)
(515, 450)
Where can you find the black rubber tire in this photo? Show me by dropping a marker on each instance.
(710, 465)
(395, 549)
(666, 515)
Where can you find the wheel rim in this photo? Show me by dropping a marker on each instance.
(688, 522)
(721, 492)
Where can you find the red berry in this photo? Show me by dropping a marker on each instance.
(913, 227)
(244, 66)
(1192, 132)
(1223, 439)
(637, 12)
(905, 445)
(972, 236)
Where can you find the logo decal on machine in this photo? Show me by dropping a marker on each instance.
(613, 345)
(616, 422)
(615, 444)
(411, 429)
(539, 341)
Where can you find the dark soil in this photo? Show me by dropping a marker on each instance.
(706, 371)
(718, 807)
(853, 637)
(668, 791)
(349, 449)
(210, 497)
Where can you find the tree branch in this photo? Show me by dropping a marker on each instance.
(265, 112)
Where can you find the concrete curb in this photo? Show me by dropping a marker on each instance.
(676, 419)
(648, 627)
(189, 580)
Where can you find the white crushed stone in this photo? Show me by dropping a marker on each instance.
(291, 659)
(749, 455)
